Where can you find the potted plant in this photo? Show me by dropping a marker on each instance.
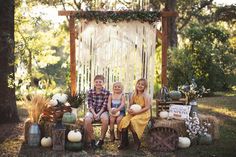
(192, 92)
(76, 101)
(36, 104)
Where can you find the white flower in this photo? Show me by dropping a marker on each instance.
(194, 127)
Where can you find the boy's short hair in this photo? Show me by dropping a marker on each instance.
(99, 77)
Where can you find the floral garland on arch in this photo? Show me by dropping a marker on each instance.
(117, 16)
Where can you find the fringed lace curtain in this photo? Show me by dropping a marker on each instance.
(123, 51)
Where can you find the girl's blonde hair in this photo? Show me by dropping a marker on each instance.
(145, 86)
(120, 84)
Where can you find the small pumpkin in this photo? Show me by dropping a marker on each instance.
(74, 136)
(68, 118)
(114, 114)
(53, 102)
(175, 95)
(184, 142)
(164, 114)
(62, 98)
(135, 107)
(46, 142)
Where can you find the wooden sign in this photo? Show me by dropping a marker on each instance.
(179, 111)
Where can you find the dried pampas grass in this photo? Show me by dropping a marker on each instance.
(36, 104)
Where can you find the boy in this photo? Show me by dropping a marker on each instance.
(97, 105)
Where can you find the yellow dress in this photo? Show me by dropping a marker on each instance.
(140, 121)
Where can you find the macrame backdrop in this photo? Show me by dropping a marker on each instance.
(123, 51)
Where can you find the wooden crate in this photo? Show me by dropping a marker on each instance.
(161, 105)
(162, 139)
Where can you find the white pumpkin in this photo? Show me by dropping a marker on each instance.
(67, 104)
(53, 102)
(74, 136)
(60, 97)
(184, 142)
(164, 114)
(135, 107)
(116, 114)
(46, 142)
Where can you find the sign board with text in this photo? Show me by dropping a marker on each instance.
(179, 111)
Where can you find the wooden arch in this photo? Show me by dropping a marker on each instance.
(163, 35)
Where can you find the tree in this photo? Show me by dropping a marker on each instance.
(172, 28)
(8, 110)
(206, 56)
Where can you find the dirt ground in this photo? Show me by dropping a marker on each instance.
(12, 139)
(12, 144)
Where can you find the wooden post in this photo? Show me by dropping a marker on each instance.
(164, 51)
(72, 55)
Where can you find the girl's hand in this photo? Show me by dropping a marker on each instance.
(114, 110)
(130, 111)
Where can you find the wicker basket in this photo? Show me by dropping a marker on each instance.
(162, 139)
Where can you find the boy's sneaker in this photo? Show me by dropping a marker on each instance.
(93, 145)
(99, 144)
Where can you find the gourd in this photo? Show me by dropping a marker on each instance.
(116, 114)
(53, 102)
(46, 142)
(205, 139)
(175, 95)
(62, 98)
(68, 118)
(74, 136)
(135, 107)
(164, 114)
(184, 142)
(74, 146)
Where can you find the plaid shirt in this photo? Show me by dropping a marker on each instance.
(98, 101)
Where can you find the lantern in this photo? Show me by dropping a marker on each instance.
(58, 137)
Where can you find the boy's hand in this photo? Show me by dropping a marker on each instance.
(97, 117)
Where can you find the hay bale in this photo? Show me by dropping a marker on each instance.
(214, 128)
(179, 125)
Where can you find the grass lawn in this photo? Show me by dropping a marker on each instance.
(223, 106)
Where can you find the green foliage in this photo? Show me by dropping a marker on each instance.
(157, 81)
(116, 16)
(76, 100)
(39, 51)
(226, 13)
(206, 56)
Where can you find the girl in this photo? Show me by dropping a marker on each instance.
(116, 108)
(136, 121)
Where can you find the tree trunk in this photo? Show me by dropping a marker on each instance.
(172, 28)
(8, 110)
